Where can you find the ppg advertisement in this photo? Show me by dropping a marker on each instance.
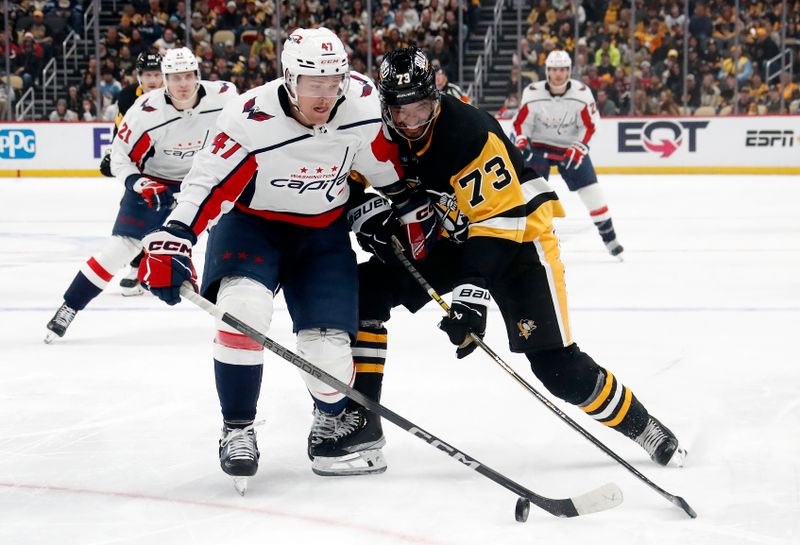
(52, 149)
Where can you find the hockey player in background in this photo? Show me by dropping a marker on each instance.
(480, 224)
(558, 118)
(149, 77)
(156, 144)
(275, 177)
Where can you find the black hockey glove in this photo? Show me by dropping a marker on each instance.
(105, 163)
(373, 222)
(467, 315)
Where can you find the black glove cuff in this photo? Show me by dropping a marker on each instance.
(180, 230)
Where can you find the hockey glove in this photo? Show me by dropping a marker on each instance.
(105, 163)
(420, 223)
(150, 190)
(467, 315)
(373, 222)
(521, 141)
(574, 155)
(167, 262)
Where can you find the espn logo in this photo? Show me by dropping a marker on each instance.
(769, 139)
(17, 144)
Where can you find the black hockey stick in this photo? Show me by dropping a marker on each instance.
(600, 499)
(675, 500)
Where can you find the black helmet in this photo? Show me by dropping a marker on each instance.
(406, 77)
(148, 61)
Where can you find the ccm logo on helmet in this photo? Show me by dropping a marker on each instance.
(172, 246)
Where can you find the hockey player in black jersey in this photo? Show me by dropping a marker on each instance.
(148, 74)
(480, 224)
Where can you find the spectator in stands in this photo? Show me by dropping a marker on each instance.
(112, 42)
(177, 27)
(710, 94)
(42, 34)
(692, 97)
(666, 104)
(109, 85)
(88, 110)
(773, 102)
(605, 66)
(736, 63)
(700, 24)
(150, 29)
(73, 99)
(443, 55)
(28, 64)
(788, 88)
(614, 55)
(675, 17)
(198, 31)
(605, 105)
(402, 24)
(136, 43)
(168, 40)
(764, 48)
(743, 101)
(61, 113)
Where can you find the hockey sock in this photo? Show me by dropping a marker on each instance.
(614, 405)
(238, 387)
(369, 357)
(595, 202)
(82, 290)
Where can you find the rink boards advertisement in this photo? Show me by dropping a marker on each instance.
(622, 145)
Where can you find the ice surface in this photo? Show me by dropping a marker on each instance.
(109, 435)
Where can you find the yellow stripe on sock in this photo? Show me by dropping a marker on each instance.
(623, 411)
(369, 368)
(372, 337)
(602, 396)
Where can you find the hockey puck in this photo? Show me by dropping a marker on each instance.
(522, 510)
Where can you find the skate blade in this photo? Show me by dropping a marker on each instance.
(132, 292)
(365, 462)
(50, 337)
(240, 484)
(678, 458)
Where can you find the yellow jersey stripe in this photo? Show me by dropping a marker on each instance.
(367, 337)
(369, 368)
(623, 411)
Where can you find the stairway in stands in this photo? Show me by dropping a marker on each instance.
(499, 72)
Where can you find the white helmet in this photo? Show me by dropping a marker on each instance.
(180, 59)
(557, 59)
(314, 52)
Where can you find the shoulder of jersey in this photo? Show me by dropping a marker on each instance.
(534, 90)
(362, 101)
(219, 92)
(149, 109)
(253, 119)
(580, 91)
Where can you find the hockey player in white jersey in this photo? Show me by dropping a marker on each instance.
(275, 178)
(155, 146)
(557, 119)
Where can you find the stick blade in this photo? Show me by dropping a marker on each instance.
(683, 504)
(606, 497)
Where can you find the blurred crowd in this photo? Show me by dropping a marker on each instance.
(724, 74)
(236, 41)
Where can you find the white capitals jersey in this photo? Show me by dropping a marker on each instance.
(160, 142)
(268, 164)
(557, 121)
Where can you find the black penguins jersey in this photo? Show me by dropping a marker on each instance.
(480, 185)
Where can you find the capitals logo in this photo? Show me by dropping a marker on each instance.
(146, 106)
(253, 112)
(526, 327)
(662, 137)
(366, 88)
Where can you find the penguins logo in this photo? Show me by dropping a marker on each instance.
(526, 327)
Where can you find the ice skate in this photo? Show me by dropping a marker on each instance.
(346, 444)
(59, 323)
(238, 454)
(129, 285)
(615, 248)
(661, 444)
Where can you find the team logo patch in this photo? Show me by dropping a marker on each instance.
(253, 112)
(146, 107)
(224, 88)
(526, 327)
(366, 88)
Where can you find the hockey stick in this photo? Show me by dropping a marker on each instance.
(600, 499)
(675, 500)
